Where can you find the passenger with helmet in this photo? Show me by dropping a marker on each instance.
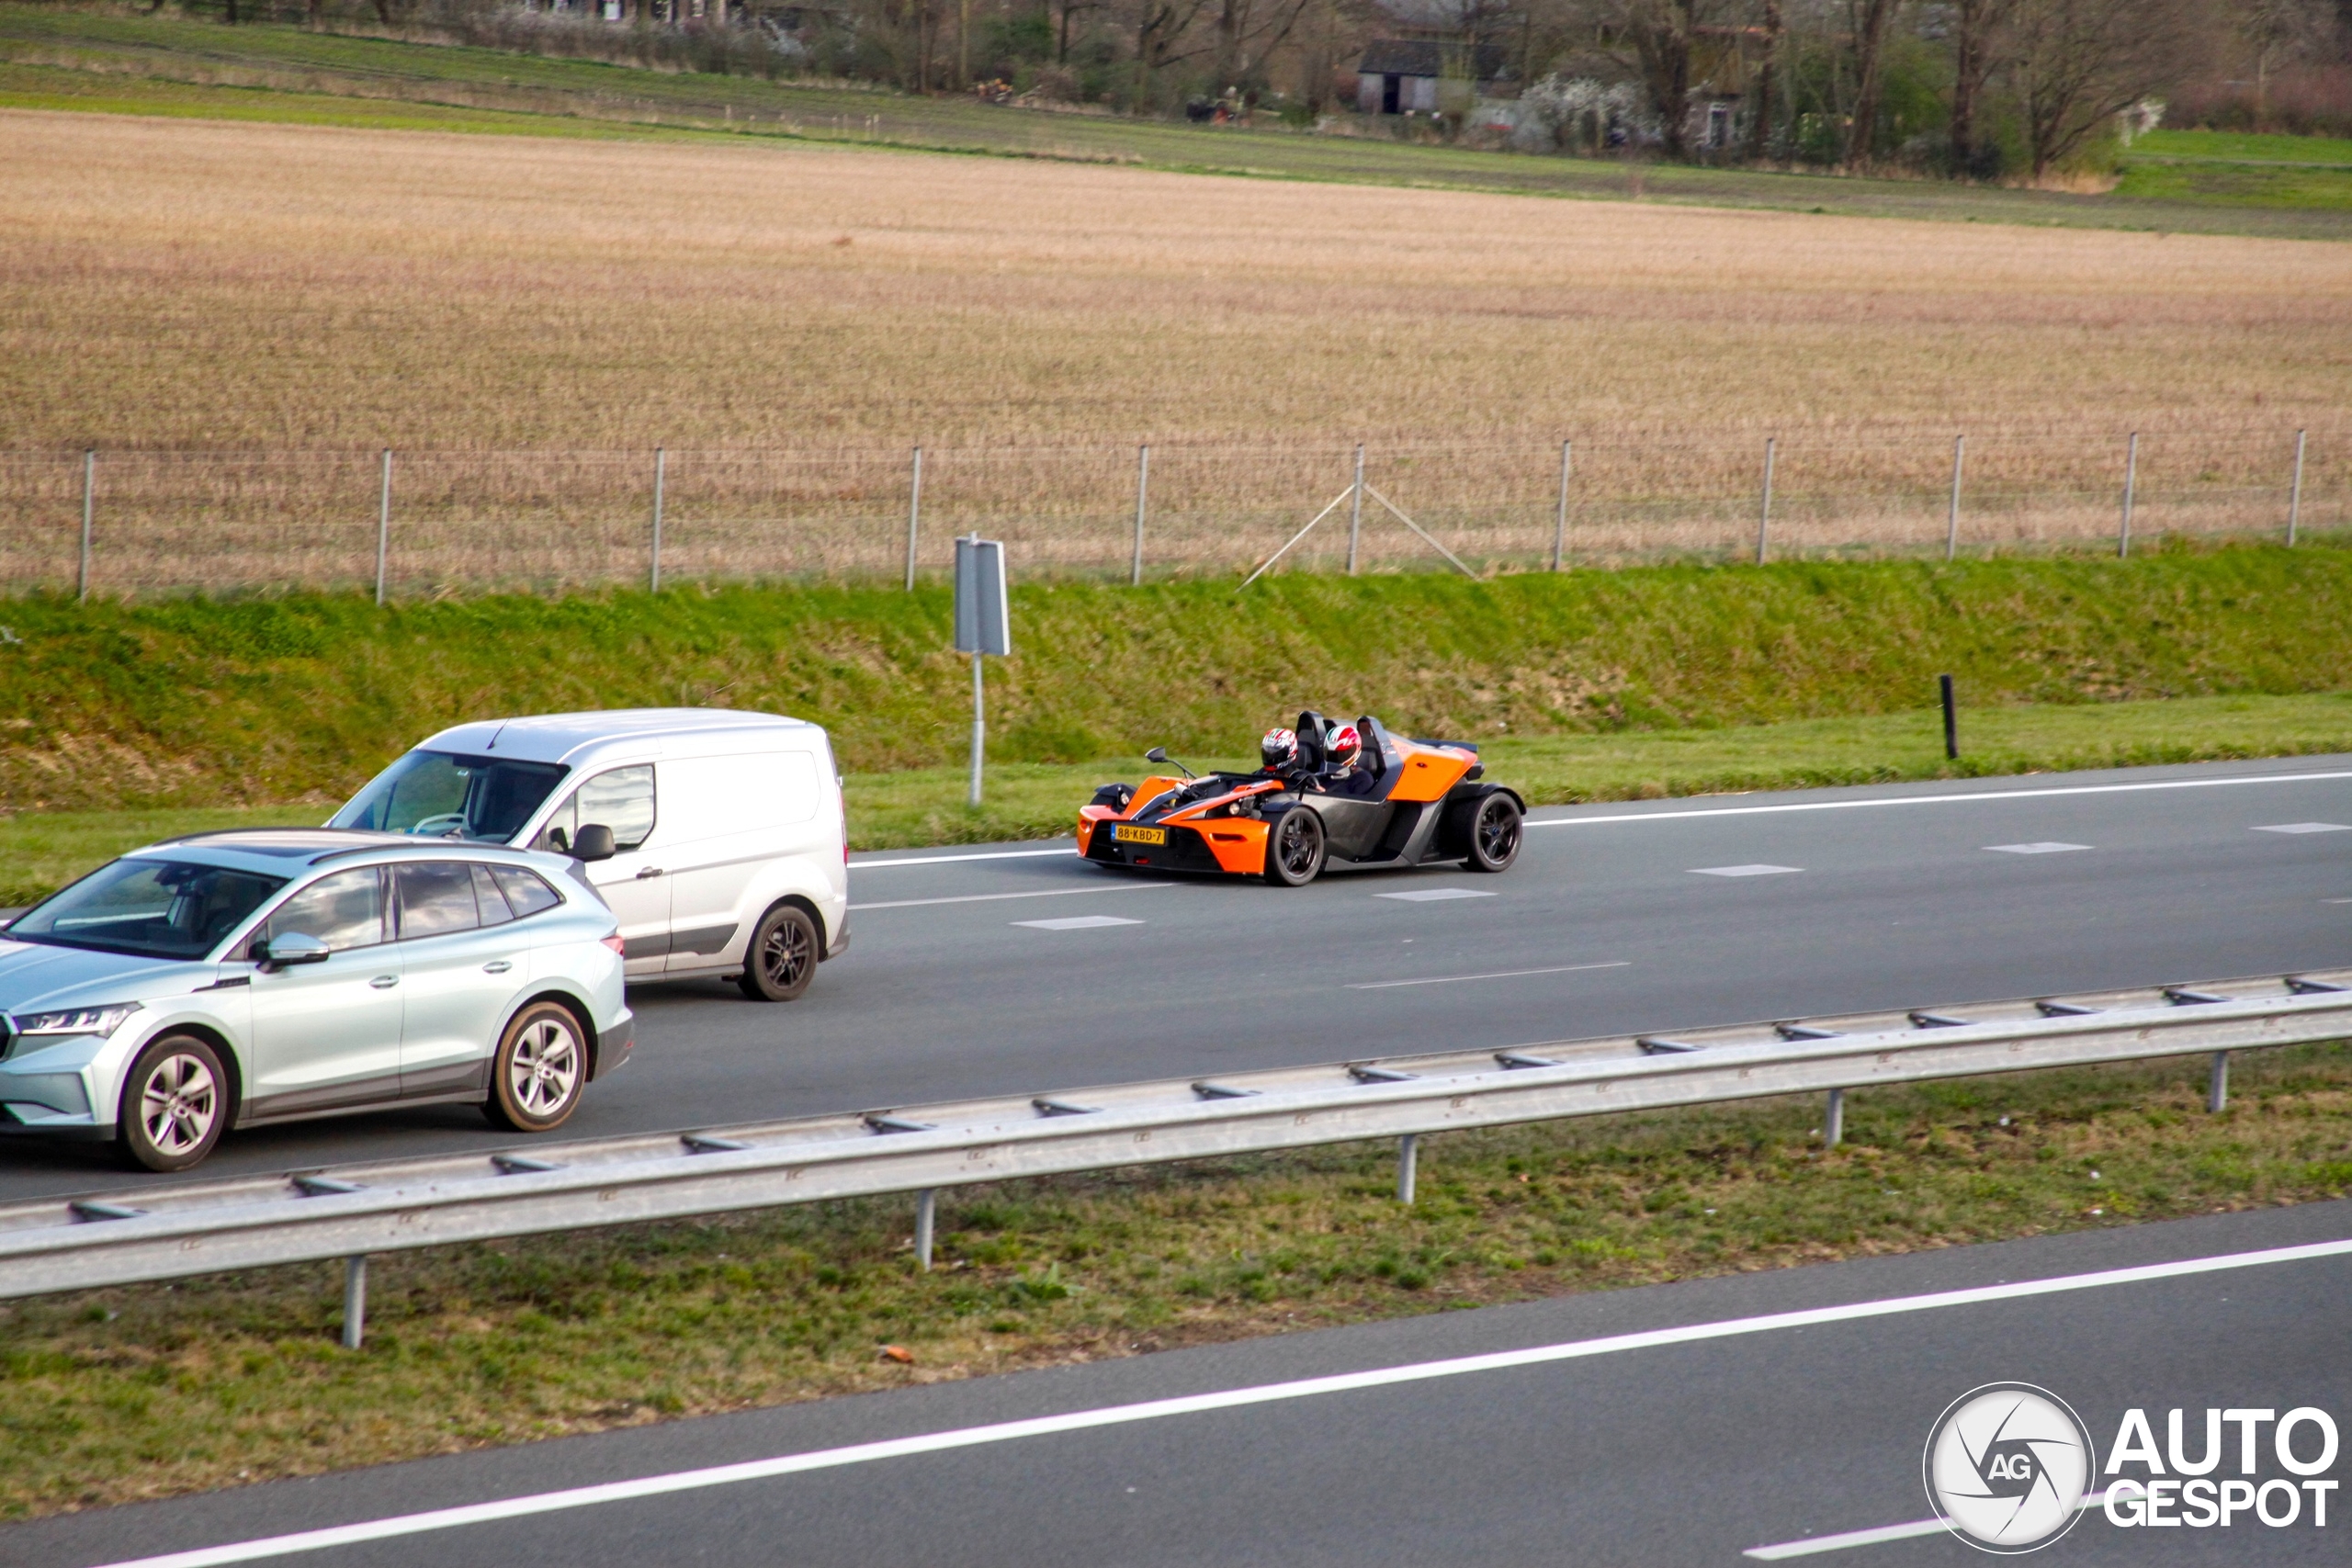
(1278, 750)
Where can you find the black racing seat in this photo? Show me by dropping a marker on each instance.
(1312, 727)
(1380, 757)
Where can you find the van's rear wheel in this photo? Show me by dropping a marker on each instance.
(781, 958)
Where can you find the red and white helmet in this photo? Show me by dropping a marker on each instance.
(1344, 746)
(1279, 747)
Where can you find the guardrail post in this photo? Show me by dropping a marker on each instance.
(383, 526)
(1355, 512)
(1833, 1126)
(2295, 490)
(1764, 517)
(1560, 523)
(2217, 1090)
(1143, 490)
(89, 502)
(1408, 1148)
(355, 1300)
(661, 470)
(2130, 478)
(926, 1219)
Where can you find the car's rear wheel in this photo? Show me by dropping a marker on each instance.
(541, 1067)
(1294, 848)
(781, 958)
(175, 1104)
(1494, 833)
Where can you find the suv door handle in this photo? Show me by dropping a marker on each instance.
(385, 982)
(648, 870)
(496, 966)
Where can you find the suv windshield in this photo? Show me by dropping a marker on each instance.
(437, 795)
(158, 909)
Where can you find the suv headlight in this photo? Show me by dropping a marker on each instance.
(76, 1021)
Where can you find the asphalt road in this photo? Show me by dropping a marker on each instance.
(1616, 919)
(1685, 1451)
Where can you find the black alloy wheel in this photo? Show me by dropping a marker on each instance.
(175, 1104)
(540, 1068)
(781, 958)
(1294, 849)
(1494, 834)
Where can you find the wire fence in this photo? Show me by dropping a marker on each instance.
(412, 524)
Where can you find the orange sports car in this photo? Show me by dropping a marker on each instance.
(1329, 794)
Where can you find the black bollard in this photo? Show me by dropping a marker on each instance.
(1951, 725)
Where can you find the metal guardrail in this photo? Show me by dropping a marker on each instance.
(172, 1231)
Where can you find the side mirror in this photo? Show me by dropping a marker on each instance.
(1157, 754)
(593, 841)
(293, 948)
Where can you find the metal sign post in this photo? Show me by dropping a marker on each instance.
(983, 625)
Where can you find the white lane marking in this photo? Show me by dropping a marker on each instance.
(1758, 870)
(1224, 1399)
(1845, 1538)
(1076, 923)
(2043, 847)
(950, 859)
(2303, 827)
(1432, 895)
(993, 898)
(1927, 799)
(1503, 975)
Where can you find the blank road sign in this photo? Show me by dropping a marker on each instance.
(983, 622)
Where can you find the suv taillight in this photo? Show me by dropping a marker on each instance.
(619, 946)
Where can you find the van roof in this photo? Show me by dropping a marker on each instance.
(580, 737)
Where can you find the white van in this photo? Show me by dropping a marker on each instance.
(716, 837)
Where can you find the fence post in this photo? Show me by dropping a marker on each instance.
(926, 1216)
(1355, 512)
(2295, 493)
(2130, 478)
(1951, 525)
(2217, 1089)
(89, 495)
(1560, 523)
(1833, 1126)
(355, 1300)
(661, 472)
(1408, 1158)
(1143, 490)
(914, 519)
(383, 526)
(1764, 518)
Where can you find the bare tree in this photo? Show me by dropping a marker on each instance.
(1871, 20)
(2076, 63)
(1976, 25)
(2278, 31)
(1760, 122)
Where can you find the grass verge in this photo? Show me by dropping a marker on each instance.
(146, 1391)
(39, 851)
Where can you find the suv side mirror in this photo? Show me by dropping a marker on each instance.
(593, 841)
(285, 952)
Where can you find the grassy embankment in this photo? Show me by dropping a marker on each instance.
(138, 719)
(141, 1393)
(101, 59)
(2230, 169)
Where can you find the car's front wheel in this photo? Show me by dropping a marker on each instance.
(174, 1103)
(1294, 848)
(781, 958)
(539, 1071)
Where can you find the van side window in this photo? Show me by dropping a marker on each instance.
(437, 898)
(343, 910)
(525, 893)
(620, 798)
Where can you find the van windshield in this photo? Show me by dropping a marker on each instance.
(440, 795)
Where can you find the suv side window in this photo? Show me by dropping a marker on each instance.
(344, 910)
(526, 893)
(620, 798)
(436, 898)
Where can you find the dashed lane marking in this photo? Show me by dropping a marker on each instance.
(1501, 974)
(2042, 847)
(1434, 895)
(1076, 923)
(1756, 870)
(992, 897)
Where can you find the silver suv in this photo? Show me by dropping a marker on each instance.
(253, 977)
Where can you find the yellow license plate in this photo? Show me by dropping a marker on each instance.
(1127, 835)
